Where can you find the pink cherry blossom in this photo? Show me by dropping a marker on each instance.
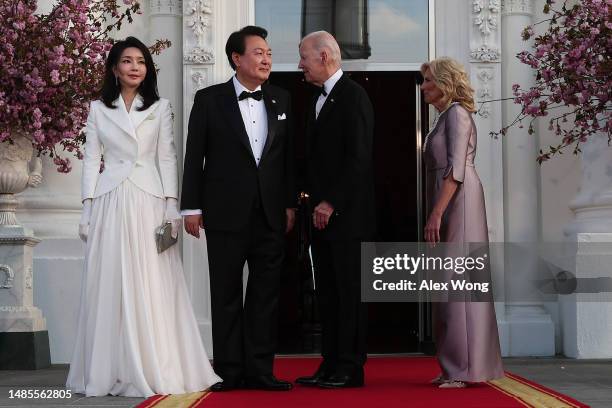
(52, 66)
(55, 77)
(573, 63)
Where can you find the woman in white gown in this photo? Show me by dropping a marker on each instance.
(137, 334)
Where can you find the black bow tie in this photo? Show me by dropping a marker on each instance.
(322, 91)
(257, 95)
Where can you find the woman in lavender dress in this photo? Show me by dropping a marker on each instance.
(465, 333)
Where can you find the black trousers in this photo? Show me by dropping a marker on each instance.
(343, 316)
(245, 335)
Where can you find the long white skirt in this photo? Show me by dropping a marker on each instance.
(137, 334)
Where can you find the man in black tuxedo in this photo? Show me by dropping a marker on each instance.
(339, 132)
(238, 184)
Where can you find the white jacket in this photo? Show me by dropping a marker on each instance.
(131, 143)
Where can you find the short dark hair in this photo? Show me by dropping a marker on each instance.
(147, 89)
(235, 42)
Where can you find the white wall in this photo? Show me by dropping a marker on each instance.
(559, 184)
(559, 176)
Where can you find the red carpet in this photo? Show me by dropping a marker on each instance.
(390, 382)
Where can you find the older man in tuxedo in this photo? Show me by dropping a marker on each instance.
(238, 185)
(339, 132)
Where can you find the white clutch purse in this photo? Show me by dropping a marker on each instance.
(163, 237)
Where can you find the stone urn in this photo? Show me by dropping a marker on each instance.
(23, 328)
(20, 168)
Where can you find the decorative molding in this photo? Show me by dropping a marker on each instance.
(485, 54)
(199, 12)
(25, 240)
(28, 278)
(486, 24)
(15, 309)
(199, 78)
(486, 15)
(166, 7)
(517, 7)
(485, 77)
(198, 16)
(9, 276)
(199, 56)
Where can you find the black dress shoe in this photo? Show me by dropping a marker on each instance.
(226, 386)
(342, 381)
(268, 383)
(312, 380)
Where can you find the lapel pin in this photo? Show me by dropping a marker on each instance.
(273, 100)
(332, 99)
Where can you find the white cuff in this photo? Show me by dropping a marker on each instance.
(190, 212)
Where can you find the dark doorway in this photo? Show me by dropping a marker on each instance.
(392, 327)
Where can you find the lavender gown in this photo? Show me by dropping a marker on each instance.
(465, 333)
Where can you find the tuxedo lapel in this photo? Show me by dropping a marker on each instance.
(311, 123)
(330, 101)
(120, 116)
(311, 117)
(271, 112)
(234, 117)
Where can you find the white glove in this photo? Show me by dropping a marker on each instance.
(84, 222)
(173, 216)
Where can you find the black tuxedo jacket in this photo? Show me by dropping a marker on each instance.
(220, 173)
(339, 157)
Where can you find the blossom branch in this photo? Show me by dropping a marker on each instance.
(572, 60)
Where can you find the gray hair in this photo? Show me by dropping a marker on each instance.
(323, 40)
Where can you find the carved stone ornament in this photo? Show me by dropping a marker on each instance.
(199, 56)
(517, 7)
(166, 7)
(486, 15)
(14, 309)
(6, 277)
(486, 22)
(28, 278)
(198, 18)
(485, 76)
(199, 78)
(485, 54)
(18, 150)
(15, 173)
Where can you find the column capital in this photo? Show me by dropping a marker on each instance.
(520, 7)
(166, 7)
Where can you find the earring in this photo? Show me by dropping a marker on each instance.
(116, 81)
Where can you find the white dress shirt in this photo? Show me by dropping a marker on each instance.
(327, 86)
(255, 119)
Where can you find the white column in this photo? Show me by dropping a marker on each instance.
(587, 324)
(485, 76)
(453, 20)
(198, 60)
(165, 18)
(531, 329)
